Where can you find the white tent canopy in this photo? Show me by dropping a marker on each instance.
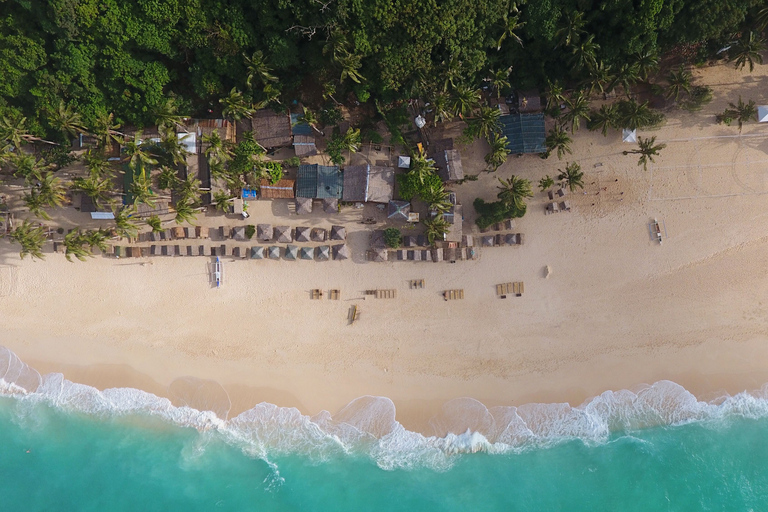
(628, 135)
(762, 114)
(404, 162)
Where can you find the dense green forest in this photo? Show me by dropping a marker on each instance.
(129, 57)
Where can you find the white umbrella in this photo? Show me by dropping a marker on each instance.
(762, 114)
(629, 136)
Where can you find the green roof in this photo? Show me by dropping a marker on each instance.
(319, 181)
(525, 133)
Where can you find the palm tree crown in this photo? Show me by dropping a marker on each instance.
(514, 190)
(571, 177)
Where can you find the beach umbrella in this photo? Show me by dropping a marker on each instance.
(762, 114)
(331, 205)
(486, 241)
(283, 235)
(302, 234)
(404, 162)
(379, 254)
(273, 252)
(307, 253)
(291, 251)
(303, 205)
(629, 136)
(323, 253)
(319, 235)
(264, 232)
(340, 252)
(338, 233)
(257, 252)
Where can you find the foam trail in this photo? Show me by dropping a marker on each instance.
(367, 425)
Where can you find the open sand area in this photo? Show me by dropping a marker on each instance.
(618, 309)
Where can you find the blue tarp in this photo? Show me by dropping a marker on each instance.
(299, 128)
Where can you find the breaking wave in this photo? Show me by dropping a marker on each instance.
(367, 426)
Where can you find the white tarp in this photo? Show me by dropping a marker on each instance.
(629, 136)
(103, 215)
(189, 141)
(762, 114)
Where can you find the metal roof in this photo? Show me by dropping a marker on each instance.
(319, 181)
(525, 133)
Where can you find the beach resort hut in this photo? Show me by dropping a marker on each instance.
(366, 183)
(379, 254)
(283, 234)
(283, 189)
(273, 252)
(302, 234)
(628, 135)
(304, 145)
(264, 232)
(525, 133)
(323, 253)
(511, 239)
(303, 205)
(340, 252)
(319, 235)
(238, 233)
(338, 233)
(399, 210)
(319, 181)
(528, 101)
(448, 160)
(331, 205)
(437, 254)
(377, 238)
(291, 252)
(271, 129)
(486, 241)
(307, 253)
(257, 252)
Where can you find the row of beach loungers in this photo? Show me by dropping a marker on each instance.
(435, 254)
(502, 240)
(264, 233)
(507, 225)
(274, 252)
(564, 206)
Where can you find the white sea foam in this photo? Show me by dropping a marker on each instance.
(367, 425)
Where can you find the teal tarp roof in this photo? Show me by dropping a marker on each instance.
(525, 133)
(319, 181)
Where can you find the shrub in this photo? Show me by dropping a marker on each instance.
(362, 92)
(409, 185)
(250, 230)
(700, 96)
(392, 237)
(294, 161)
(273, 171)
(331, 115)
(374, 137)
(497, 211)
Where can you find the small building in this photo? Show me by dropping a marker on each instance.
(368, 184)
(270, 129)
(399, 210)
(454, 219)
(304, 145)
(283, 189)
(525, 133)
(319, 181)
(528, 101)
(448, 160)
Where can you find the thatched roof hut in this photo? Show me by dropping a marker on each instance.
(304, 145)
(377, 238)
(302, 234)
(238, 233)
(331, 205)
(283, 235)
(511, 239)
(271, 129)
(264, 232)
(398, 210)
(319, 235)
(340, 252)
(307, 253)
(273, 252)
(283, 189)
(338, 233)
(486, 241)
(291, 252)
(303, 205)
(323, 253)
(379, 254)
(257, 252)
(364, 183)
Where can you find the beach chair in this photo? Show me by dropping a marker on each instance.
(236, 252)
(214, 251)
(552, 208)
(189, 251)
(178, 233)
(189, 232)
(119, 252)
(201, 232)
(201, 250)
(334, 294)
(223, 233)
(384, 294)
(565, 206)
(177, 250)
(222, 250)
(315, 294)
(154, 236)
(499, 241)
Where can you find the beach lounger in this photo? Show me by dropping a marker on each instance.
(178, 233)
(236, 252)
(334, 294)
(177, 250)
(214, 251)
(222, 250)
(453, 294)
(201, 232)
(565, 206)
(552, 208)
(561, 192)
(416, 284)
(315, 294)
(154, 236)
(189, 251)
(509, 224)
(201, 250)
(223, 233)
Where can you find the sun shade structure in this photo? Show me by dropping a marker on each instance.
(238, 233)
(377, 238)
(283, 189)
(366, 183)
(270, 129)
(628, 135)
(307, 253)
(323, 253)
(379, 254)
(340, 252)
(319, 235)
(331, 205)
(525, 133)
(283, 235)
(762, 114)
(486, 241)
(273, 252)
(303, 205)
(338, 233)
(319, 181)
(291, 251)
(398, 210)
(264, 232)
(257, 252)
(302, 234)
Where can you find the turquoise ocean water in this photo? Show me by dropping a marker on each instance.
(70, 447)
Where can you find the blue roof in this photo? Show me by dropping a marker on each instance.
(299, 128)
(525, 133)
(319, 181)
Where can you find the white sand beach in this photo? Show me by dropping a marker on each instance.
(618, 309)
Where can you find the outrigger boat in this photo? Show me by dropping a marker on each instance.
(657, 230)
(217, 272)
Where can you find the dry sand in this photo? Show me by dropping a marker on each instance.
(618, 309)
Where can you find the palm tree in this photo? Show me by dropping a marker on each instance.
(309, 118)
(350, 65)
(35, 202)
(52, 190)
(599, 77)
(679, 81)
(578, 109)
(167, 178)
(631, 114)
(421, 167)
(584, 55)
(336, 43)
(647, 63)
(647, 151)
(167, 115)
(555, 94)
(742, 112)
(13, 128)
(105, 128)
(627, 76)
(66, 120)
(28, 167)
(189, 190)
(76, 244)
(513, 191)
(185, 212)
(546, 182)
(437, 227)
(499, 80)
(235, 106)
(558, 139)
(441, 107)
(141, 187)
(436, 196)
(761, 20)
(97, 238)
(258, 69)
(155, 223)
(511, 24)
(98, 189)
(465, 100)
(351, 140)
(137, 152)
(31, 238)
(604, 119)
(218, 151)
(571, 177)
(97, 163)
(747, 51)
(487, 123)
(498, 152)
(174, 149)
(221, 200)
(572, 29)
(125, 226)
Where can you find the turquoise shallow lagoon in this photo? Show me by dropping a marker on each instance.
(53, 459)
